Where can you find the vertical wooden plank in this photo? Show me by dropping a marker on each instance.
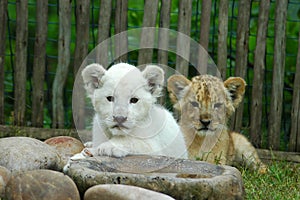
(258, 77)
(62, 69)
(242, 41)
(222, 37)
(3, 16)
(147, 36)
(294, 144)
(205, 23)
(81, 51)
(39, 63)
(103, 30)
(163, 37)
(278, 75)
(82, 32)
(21, 62)
(184, 26)
(204, 36)
(121, 43)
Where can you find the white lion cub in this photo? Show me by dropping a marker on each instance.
(127, 121)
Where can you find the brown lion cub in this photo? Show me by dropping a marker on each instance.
(206, 104)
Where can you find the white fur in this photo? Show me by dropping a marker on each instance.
(148, 128)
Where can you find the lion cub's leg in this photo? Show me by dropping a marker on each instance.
(246, 154)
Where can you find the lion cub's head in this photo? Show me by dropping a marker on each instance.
(122, 95)
(205, 102)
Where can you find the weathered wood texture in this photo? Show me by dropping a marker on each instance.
(20, 62)
(163, 37)
(39, 63)
(38, 133)
(268, 156)
(183, 45)
(82, 32)
(62, 69)
(3, 17)
(81, 51)
(222, 37)
(241, 58)
(258, 75)
(294, 144)
(103, 31)
(121, 43)
(148, 35)
(278, 75)
(204, 36)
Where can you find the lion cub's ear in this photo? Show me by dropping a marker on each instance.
(176, 87)
(236, 88)
(92, 75)
(155, 77)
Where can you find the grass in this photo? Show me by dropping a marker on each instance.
(282, 182)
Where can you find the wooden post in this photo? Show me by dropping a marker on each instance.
(39, 63)
(183, 45)
(222, 37)
(258, 79)
(242, 41)
(103, 31)
(163, 37)
(294, 144)
(163, 40)
(121, 43)
(3, 16)
(81, 51)
(278, 75)
(204, 36)
(21, 62)
(147, 36)
(82, 32)
(62, 69)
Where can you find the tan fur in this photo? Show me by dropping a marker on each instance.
(206, 104)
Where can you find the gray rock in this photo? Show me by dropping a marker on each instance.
(66, 147)
(179, 178)
(4, 178)
(24, 153)
(41, 184)
(122, 192)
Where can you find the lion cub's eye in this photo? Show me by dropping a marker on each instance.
(110, 98)
(134, 100)
(217, 105)
(195, 104)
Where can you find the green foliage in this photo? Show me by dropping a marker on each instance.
(280, 183)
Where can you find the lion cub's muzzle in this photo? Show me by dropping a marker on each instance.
(205, 124)
(120, 120)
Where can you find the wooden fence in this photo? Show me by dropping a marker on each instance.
(153, 9)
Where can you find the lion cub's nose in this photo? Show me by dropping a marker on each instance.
(119, 119)
(205, 122)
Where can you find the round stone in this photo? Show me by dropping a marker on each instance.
(24, 153)
(122, 192)
(4, 178)
(41, 184)
(66, 147)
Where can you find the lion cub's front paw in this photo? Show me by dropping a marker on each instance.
(108, 149)
(263, 169)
